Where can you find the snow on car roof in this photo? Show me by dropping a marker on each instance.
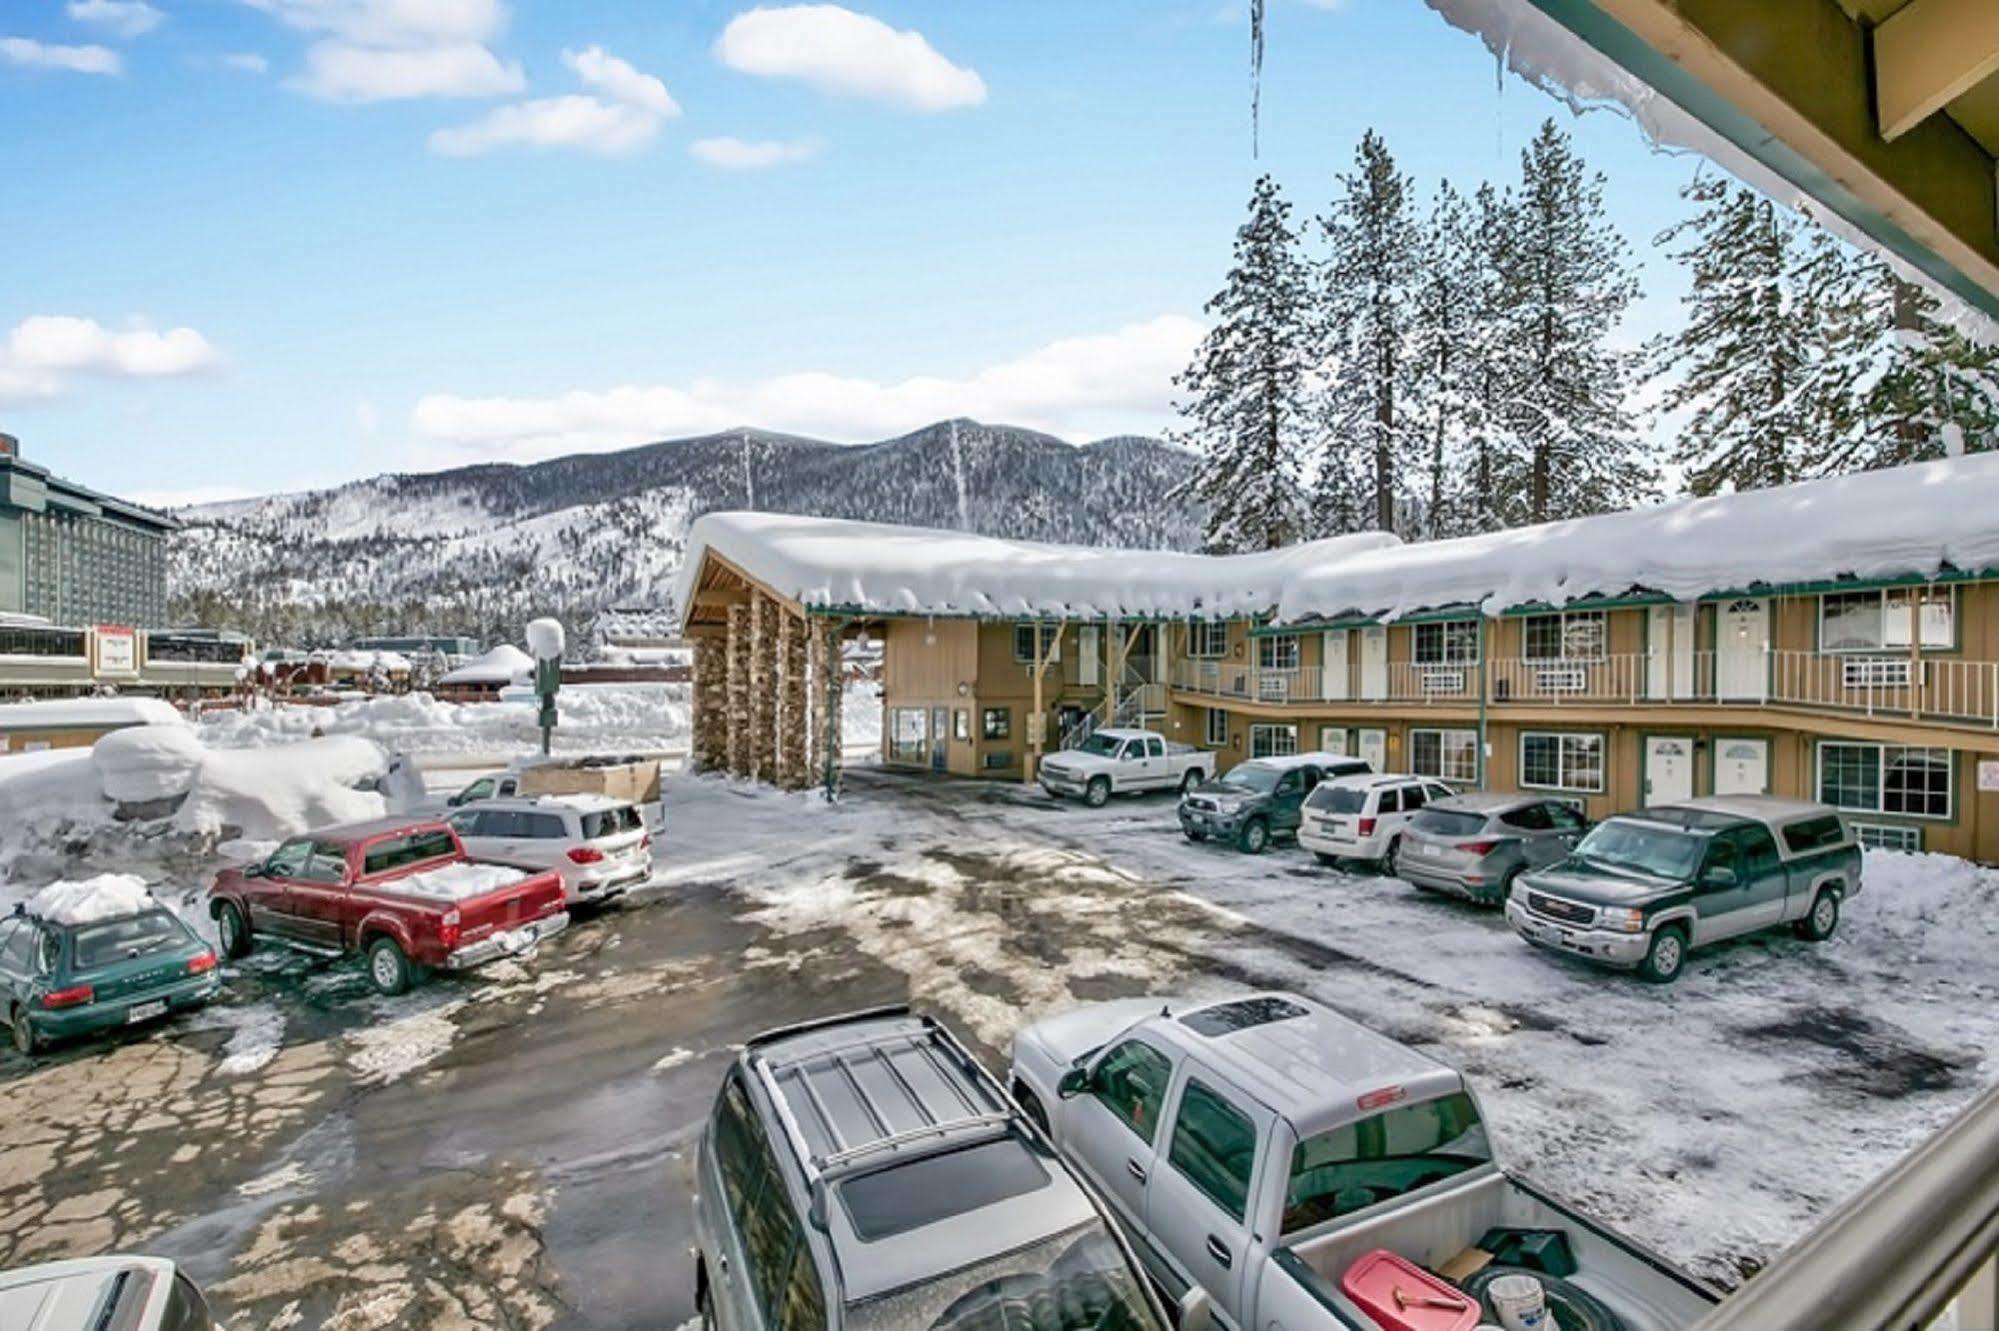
(87, 713)
(503, 665)
(108, 896)
(833, 563)
(1281, 761)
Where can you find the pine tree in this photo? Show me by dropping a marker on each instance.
(1366, 285)
(1444, 358)
(1937, 392)
(1488, 479)
(1247, 411)
(1568, 282)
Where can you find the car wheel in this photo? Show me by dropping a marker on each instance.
(1505, 889)
(388, 969)
(1254, 837)
(1665, 958)
(1819, 925)
(1326, 861)
(235, 934)
(1189, 779)
(1193, 835)
(1030, 1105)
(25, 1040)
(1098, 792)
(1388, 856)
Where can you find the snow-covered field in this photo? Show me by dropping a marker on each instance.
(623, 718)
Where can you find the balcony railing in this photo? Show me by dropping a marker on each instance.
(1943, 689)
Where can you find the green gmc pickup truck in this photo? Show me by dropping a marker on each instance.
(1644, 889)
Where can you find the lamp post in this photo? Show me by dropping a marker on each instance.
(545, 641)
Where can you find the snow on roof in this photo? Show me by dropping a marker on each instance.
(108, 896)
(833, 563)
(1914, 521)
(502, 665)
(87, 714)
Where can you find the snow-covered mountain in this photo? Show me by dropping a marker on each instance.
(478, 549)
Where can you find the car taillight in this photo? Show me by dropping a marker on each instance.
(586, 855)
(201, 964)
(72, 997)
(645, 842)
(1478, 847)
(448, 932)
(1367, 827)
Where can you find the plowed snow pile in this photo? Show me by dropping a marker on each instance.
(602, 717)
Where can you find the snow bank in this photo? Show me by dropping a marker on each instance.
(142, 763)
(503, 665)
(108, 896)
(87, 713)
(1937, 910)
(594, 716)
(285, 789)
(545, 639)
(458, 882)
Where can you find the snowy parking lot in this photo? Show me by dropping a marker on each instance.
(521, 1139)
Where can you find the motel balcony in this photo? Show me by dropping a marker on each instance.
(1944, 690)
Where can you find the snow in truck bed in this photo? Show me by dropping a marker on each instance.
(460, 881)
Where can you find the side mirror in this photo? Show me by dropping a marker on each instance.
(1197, 1310)
(1719, 877)
(254, 870)
(1074, 1082)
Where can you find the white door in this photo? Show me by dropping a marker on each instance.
(1333, 671)
(1670, 651)
(1669, 769)
(1089, 654)
(1371, 746)
(1333, 739)
(1741, 766)
(1374, 664)
(1742, 636)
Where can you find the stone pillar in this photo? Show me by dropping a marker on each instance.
(739, 690)
(832, 691)
(764, 674)
(710, 744)
(794, 717)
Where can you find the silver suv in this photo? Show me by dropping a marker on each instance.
(866, 1172)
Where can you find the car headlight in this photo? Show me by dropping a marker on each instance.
(1624, 921)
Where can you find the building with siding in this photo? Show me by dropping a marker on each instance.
(73, 556)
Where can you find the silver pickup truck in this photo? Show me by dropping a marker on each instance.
(1281, 1157)
(1119, 762)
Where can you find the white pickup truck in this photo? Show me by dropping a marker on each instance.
(1117, 762)
(1310, 1173)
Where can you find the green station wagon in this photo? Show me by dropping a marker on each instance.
(61, 978)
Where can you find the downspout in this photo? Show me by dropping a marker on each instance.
(1484, 689)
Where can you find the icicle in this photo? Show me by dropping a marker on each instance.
(1255, 76)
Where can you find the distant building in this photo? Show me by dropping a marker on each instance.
(457, 647)
(74, 556)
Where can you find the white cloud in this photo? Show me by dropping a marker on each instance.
(76, 59)
(248, 62)
(123, 18)
(839, 51)
(634, 107)
(733, 154)
(336, 71)
(42, 351)
(1075, 387)
(393, 22)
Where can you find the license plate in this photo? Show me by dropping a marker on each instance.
(145, 1011)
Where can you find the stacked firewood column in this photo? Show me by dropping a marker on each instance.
(764, 674)
(711, 703)
(793, 715)
(767, 696)
(739, 690)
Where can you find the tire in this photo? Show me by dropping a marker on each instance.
(1388, 856)
(1189, 779)
(1192, 835)
(388, 969)
(1505, 890)
(1254, 838)
(1030, 1105)
(236, 938)
(1326, 861)
(1824, 919)
(704, 1306)
(26, 1042)
(1568, 1307)
(1098, 793)
(1666, 958)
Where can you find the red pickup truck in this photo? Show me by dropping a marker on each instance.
(400, 890)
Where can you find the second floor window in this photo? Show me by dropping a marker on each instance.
(1879, 620)
(1277, 653)
(1207, 639)
(1449, 642)
(1579, 635)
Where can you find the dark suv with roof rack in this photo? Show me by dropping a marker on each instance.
(866, 1172)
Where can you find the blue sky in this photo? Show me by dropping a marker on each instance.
(267, 244)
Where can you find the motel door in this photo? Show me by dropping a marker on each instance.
(1672, 624)
(1742, 636)
(1333, 672)
(1333, 740)
(1372, 746)
(1374, 665)
(940, 735)
(1741, 766)
(1669, 769)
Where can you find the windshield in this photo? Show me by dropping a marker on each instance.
(1338, 799)
(1658, 851)
(1076, 1281)
(1374, 1159)
(1103, 746)
(1250, 777)
(118, 940)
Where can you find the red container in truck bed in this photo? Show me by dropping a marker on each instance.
(1402, 1296)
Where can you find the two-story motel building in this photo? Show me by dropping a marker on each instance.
(1837, 639)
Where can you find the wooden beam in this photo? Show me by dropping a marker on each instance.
(1928, 53)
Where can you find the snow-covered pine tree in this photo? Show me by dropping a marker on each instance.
(1568, 282)
(1246, 410)
(1755, 365)
(1488, 482)
(1366, 290)
(1443, 360)
(1938, 391)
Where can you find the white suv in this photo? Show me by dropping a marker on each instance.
(1362, 817)
(598, 844)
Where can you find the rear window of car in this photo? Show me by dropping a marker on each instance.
(397, 852)
(1814, 834)
(1338, 799)
(902, 1198)
(116, 940)
(610, 822)
(1448, 822)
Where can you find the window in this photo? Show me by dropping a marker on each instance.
(1207, 639)
(1272, 741)
(1023, 643)
(761, 1204)
(1383, 1157)
(1812, 834)
(103, 944)
(611, 822)
(1155, 747)
(908, 736)
(1886, 778)
(1759, 852)
(397, 852)
(961, 725)
(1451, 755)
(1885, 836)
(1214, 1147)
(478, 790)
(288, 860)
(896, 1200)
(1532, 818)
(1131, 1083)
(1578, 635)
(327, 863)
(19, 955)
(1277, 652)
(1449, 642)
(1389, 800)
(1561, 762)
(1218, 727)
(996, 723)
(186, 1310)
(1879, 620)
